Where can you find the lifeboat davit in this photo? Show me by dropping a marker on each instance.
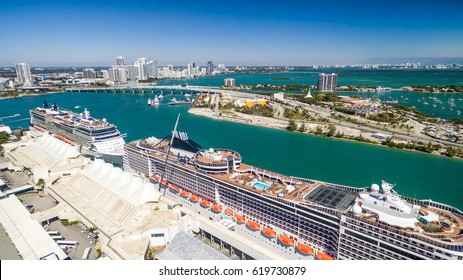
(194, 198)
(304, 249)
(184, 194)
(324, 257)
(205, 203)
(286, 240)
(229, 212)
(174, 187)
(253, 225)
(239, 219)
(216, 208)
(267, 232)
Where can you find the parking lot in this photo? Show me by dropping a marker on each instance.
(38, 203)
(74, 233)
(14, 179)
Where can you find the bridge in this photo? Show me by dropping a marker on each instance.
(174, 89)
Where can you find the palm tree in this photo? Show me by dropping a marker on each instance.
(26, 170)
(92, 230)
(40, 183)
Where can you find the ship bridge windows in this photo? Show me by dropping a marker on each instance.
(333, 198)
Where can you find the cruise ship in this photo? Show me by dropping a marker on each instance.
(96, 138)
(297, 218)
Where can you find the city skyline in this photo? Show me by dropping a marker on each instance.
(90, 33)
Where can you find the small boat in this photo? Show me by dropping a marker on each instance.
(324, 257)
(155, 178)
(184, 194)
(267, 232)
(229, 212)
(205, 203)
(239, 219)
(77, 107)
(149, 101)
(253, 225)
(286, 240)
(174, 101)
(194, 198)
(304, 249)
(216, 208)
(164, 182)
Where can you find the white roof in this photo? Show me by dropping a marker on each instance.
(126, 186)
(30, 239)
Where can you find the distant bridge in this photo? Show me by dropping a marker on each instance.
(176, 89)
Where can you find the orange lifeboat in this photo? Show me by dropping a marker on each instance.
(253, 225)
(174, 187)
(164, 182)
(304, 249)
(184, 194)
(239, 219)
(194, 198)
(324, 257)
(155, 178)
(205, 203)
(229, 212)
(216, 208)
(267, 232)
(286, 240)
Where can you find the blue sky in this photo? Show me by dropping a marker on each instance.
(92, 33)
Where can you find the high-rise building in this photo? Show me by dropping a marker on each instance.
(210, 68)
(120, 60)
(89, 73)
(141, 69)
(23, 72)
(327, 82)
(152, 67)
(120, 76)
(229, 82)
(105, 74)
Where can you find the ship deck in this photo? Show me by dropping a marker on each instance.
(271, 183)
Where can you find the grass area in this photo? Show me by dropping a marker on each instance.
(68, 223)
(99, 253)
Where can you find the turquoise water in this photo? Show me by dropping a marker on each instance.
(394, 78)
(441, 107)
(417, 175)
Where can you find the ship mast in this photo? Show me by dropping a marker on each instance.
(168, 152)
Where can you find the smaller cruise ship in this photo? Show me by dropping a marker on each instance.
(96, 137)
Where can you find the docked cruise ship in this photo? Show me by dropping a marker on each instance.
(294, 217)
(95, 137)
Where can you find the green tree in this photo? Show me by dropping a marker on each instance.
(40, 183)
(331, 131)
(292, 126)
(92, 230)
(302, 127)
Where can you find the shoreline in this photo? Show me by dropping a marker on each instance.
(20, 95)
(272, 123)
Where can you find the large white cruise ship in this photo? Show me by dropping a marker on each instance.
(96, 138)
(296, 218)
